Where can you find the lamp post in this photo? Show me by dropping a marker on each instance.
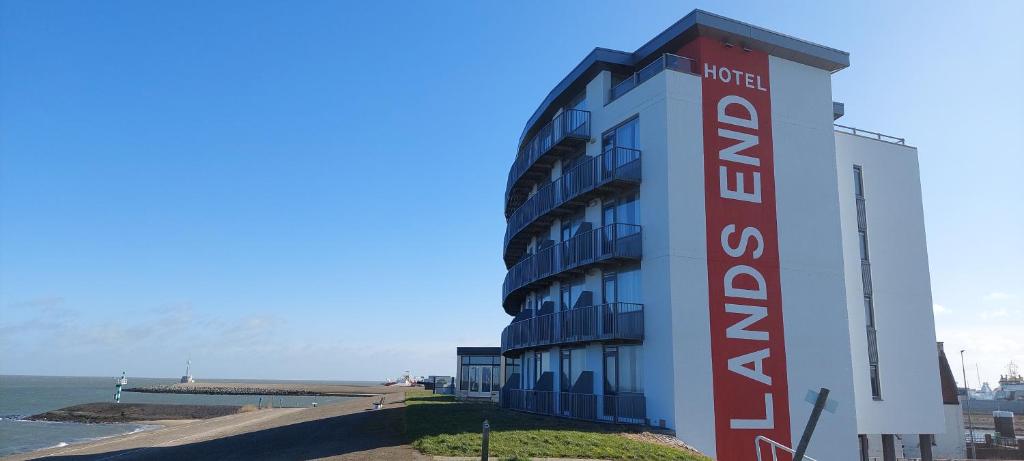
(967, 405)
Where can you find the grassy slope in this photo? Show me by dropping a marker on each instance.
(439, 425)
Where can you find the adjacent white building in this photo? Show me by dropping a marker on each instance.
(693, 244)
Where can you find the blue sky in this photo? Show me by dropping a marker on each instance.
(314, 190)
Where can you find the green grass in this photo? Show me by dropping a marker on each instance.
(439, 425)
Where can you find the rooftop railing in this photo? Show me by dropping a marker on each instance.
(666, 61)
(589, 247)
(570, 125)
(870, 134)
(619, 164)
(604, 322)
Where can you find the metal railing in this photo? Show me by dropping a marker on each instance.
(865, 277)
(612, 321)
(568, 125)
(761, 442)
(870, 134)
(872, 345)
(666, 61)
(611, 241)
(624, 408)
(620, 163)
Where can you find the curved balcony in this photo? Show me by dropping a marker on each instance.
(608, 244)
(617, 168)
(613, 322)
(562, 134)
(622, 408)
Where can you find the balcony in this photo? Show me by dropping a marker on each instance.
(617, 168)
(608, 244)
(562, 134)
(613, 322)
(666, 61)
(623, 408)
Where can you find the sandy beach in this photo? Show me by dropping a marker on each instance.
(349, 430)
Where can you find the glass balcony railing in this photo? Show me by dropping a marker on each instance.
(666, 61)
(618, 165)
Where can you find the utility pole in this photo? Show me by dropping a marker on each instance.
(967, 405)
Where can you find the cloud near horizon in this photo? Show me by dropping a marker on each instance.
(156, 342)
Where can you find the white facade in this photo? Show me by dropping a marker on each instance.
(901, 285)
(819, 269)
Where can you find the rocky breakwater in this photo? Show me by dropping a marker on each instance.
(136, 412)
(296, 389)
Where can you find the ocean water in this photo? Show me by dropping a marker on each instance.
(23, 396)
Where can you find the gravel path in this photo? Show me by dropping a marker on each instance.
(345, 431)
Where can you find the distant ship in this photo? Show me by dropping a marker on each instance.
(404, 381)
(1011, 385)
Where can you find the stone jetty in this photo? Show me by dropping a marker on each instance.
(336, 390)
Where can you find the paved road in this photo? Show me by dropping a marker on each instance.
(344, 431)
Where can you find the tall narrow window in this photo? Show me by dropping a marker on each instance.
(865, 272)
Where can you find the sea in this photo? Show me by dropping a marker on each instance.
(24, 396)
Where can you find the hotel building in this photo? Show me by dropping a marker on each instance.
(693, 244)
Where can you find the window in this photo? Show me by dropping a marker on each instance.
(862, 237)
(570, 367)
(876, 383)
(565, 370)
(622, 370)
(869, 311)
(628, 284)
(858, 181)
(512, 372)
(623, 135)
(869, 304)
(571, 225)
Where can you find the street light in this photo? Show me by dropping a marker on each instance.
(967, 404)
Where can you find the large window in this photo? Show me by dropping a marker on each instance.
(480, 373)
(623, 370)
(571, 367)
(625, 134)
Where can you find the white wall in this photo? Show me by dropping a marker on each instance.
(677, 367)
(901, 287)
(811, 256)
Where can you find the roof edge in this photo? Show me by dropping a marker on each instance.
(706, 23)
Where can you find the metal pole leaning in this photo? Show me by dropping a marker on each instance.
(486, 437)
(805, 439)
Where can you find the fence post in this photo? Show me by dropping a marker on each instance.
(486, 437)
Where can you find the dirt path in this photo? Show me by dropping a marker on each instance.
(345, 431)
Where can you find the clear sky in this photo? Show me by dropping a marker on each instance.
(313, 190)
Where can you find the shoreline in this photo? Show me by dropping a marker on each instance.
(357, 425)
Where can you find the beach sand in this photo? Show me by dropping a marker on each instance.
(348, 430)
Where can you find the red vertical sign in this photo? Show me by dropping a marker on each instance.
(748, 350)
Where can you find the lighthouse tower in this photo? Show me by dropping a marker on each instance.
(117, 387)
(188, 373)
